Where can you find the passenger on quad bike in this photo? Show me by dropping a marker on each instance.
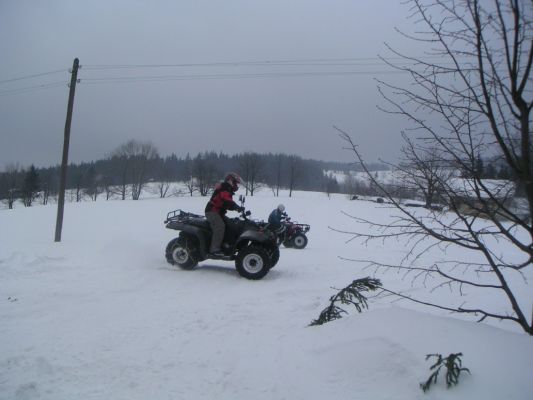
(291, 234)
(215, 210)
(294, 234)
(276, 217)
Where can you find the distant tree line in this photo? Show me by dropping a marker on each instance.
(128, 169)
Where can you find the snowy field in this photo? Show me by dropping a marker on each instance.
(102, 315)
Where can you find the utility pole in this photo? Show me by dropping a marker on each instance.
(64, 162)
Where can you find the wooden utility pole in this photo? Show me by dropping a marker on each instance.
(64, 162)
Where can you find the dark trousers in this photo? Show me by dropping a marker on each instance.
(218, 227)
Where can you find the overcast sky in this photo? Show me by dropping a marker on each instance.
(196, 76)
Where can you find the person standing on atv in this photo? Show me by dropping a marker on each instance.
(275, 217)
(215, 210)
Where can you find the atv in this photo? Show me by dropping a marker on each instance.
(249, 243)
(293, 234)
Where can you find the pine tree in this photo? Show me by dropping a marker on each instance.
(31, 186)
(479, 168)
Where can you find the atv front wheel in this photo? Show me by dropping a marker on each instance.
(274, 257)
(182, 252)
(299, 241)
(252, 262)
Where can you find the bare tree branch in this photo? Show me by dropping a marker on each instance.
(474, 100)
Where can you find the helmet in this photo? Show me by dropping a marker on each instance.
(281, 208)
(233, 179)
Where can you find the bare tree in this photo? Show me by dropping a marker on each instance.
(107, 188)
(134, 157)
(121, 164)
(163, 182)
(11, 184)
(274, 172)
(93, 183)
(279, 167)
(294, 172)
(47, 185)
(146, 151)
(204, 174)
(79, 185)
(330, 184)
(473, 97)
(424, 169)
(190, 182)
(191, 185)
(251, 167)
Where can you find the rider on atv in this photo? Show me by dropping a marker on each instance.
(215, 210)
(275, 218)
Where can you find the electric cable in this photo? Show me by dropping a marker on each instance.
(294, 62)
(32, 88)
(316, 62)
(34, 75)
(164, 78)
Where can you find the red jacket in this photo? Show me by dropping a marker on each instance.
(221, 199)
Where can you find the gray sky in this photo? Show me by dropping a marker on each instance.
(221, 102)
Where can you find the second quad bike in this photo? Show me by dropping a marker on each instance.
(249, 243)
(293, 234)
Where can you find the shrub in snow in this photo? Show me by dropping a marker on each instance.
(453, 366)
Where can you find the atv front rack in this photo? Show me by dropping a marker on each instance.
(304, 227)
(181, 216)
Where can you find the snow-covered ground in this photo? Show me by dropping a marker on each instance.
(102, 315)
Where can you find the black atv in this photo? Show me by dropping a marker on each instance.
(249, 243)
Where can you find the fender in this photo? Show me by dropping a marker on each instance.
(195, 231)
(256, 236)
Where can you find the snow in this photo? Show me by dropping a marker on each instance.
(102, 315)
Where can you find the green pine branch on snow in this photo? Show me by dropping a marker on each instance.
(350, 295)
(453, 366)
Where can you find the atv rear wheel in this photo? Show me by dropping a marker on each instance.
(182, 252)
(299, 241)
(287, 243)
(253, 262)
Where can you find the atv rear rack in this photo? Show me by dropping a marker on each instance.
(181, 216)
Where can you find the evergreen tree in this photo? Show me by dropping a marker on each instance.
(479, 167)
(91, 183)
(31, 186)
(490, 171)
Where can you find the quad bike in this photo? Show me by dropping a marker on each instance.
(293, 234)
(249, 243)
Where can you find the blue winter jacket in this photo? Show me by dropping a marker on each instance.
(274, 218)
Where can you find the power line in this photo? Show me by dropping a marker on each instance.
(190, 77)
(34, 75)
(295, 62)
(32, 88)
(317, 62)
(164, 78)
